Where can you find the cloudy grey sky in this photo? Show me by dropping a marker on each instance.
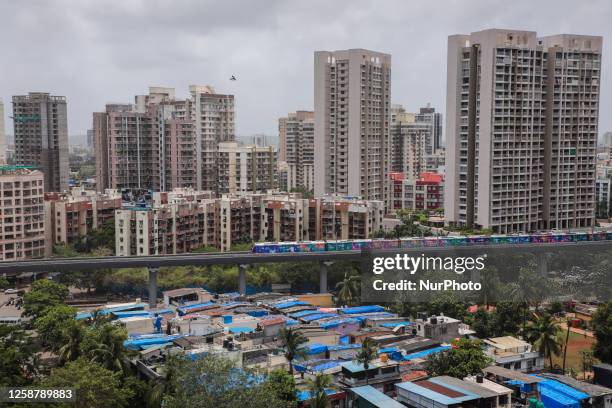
(99, 51)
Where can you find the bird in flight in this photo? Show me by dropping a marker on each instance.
(233, 78)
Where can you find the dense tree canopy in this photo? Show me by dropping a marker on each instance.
(465, 358)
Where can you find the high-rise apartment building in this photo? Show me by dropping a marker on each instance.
(214, 117)
(247, 168)
(22, 213)
(521, 130)
(160, 142)
(2, 135)
(41, 136)
(296, 149)
(351, 132)
(415, 141)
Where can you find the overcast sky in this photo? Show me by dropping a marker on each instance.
(102, 51)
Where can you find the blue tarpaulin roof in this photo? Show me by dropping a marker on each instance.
(291, 322)
(387, 350)
(285, 305)
(104, 312)
(339, 347)
(361, 309)
(315, 348)
(331, 323)
(425, 353)
(362, 316)
(305, 395)
(396, 324)
(183, 310)
(144, 341)
(303, 313)
(318, 316)
(555, 394)
(241, 330)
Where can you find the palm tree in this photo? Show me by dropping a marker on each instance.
(348, 289)
(568, 323)
(316, 388)
(544, 334)
(292, 340)
(368, 352)
(108, 349)
(70, 351)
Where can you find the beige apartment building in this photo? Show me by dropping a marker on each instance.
(247, 168)
(71, 216)
(41, 136)
(351, 131)
(22, 216)
(186, 220)
(296, 150)
(160, 142)
(522, 123)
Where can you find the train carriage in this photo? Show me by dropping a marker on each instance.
(410, 243)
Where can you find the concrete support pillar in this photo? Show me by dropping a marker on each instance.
(323, 276)
(153, 287)
(242, 279)
(542, 264)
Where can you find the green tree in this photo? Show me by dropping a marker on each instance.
(602, 329)
(70, 350)
(282, 385)
(465, 358)
(103, 344)
(292, 341)
(215, 382)
(366, 354)
(587, 360)
(483, 323)
(18, 362)
(544, 333)
(50, 326)
(316, 389)
(4, 283)
(94, 385)
(43, 295)
(348, 289)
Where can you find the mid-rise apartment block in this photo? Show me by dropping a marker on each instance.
(184, 221)
(351, 131)
(247, 168)
(40, 122)
(425, 193)
(22, 213)
(296, 149)
(521, 130)
(160, 142)
(70, 216)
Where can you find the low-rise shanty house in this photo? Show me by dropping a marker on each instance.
(447, 391)
(341, 325)
(584, 312)
(335, 397)
(196, 325)
(360, 335)
(271, 327)
(381, 374)
(343, 351)
(514, 354)
(184, 296)
(137, 324)
(603, 374)
(440, 328)
(315, 334)
(599, 396)
(491, 394)
(427, 394)
(504, 394)
(369, 397)
(524, 385)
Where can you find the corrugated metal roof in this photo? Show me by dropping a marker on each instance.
(375, 397)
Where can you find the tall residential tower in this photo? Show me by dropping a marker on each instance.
(351, 131)
(41, 136)
(521, 130)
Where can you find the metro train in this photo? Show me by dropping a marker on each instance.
(448, 241)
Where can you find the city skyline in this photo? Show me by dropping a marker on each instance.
(91, 65)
